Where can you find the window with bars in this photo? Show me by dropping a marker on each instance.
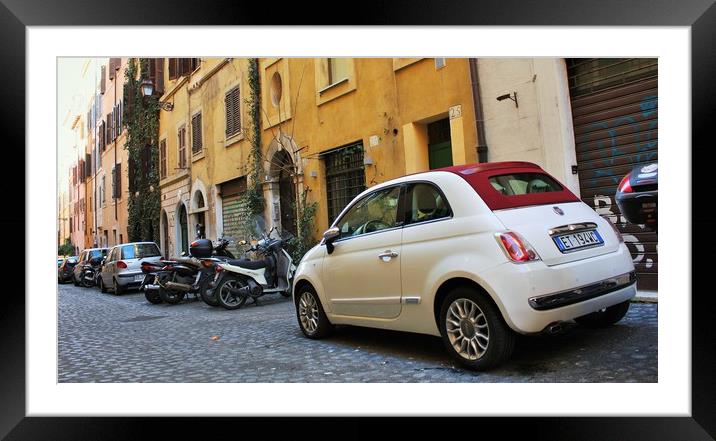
(196, 134)
(181, 142)
(163, 159)
(233, 112)
(345, 177)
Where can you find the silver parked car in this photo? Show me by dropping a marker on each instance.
(123, 267)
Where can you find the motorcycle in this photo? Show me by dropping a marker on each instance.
(238, 280)
(90, 272)
(174, 279)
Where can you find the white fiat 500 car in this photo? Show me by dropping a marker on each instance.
(473, 254)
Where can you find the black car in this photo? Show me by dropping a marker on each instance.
(637, 195)
(64, 272)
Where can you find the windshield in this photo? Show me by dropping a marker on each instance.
(140, 251)
(97, 253)
(258, 226)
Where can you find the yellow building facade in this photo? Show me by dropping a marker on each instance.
(330, 127)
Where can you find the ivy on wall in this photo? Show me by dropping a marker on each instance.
(254, 192)
(141, 121)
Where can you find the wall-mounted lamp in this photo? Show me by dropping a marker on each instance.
(147, 87)
(506, 96)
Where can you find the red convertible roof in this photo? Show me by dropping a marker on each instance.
(477, 175)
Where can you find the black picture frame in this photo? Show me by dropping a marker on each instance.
(699, 15)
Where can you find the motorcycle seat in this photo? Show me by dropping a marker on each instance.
(248, 264)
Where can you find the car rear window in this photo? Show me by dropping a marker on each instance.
(140, 251)
(515, 186)
(524, 183)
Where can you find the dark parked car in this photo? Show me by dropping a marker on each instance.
(85, 256)
(637, 195)
(64, 272)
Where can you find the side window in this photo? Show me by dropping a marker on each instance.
(376, 211)
(424, 203)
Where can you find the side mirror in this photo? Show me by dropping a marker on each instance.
(243, 242)
(329, 236)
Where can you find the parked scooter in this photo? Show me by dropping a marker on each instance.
(172, 280)
(90, 271)
(238, 280)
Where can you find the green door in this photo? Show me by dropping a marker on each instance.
(440, 154)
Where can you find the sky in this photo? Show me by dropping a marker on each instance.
(76, 83)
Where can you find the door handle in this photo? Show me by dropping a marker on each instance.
(387, 255)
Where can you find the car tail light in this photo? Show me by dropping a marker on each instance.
(218, 268)
(121, 264)
(516, 247)
(616, 230)
(625, 185)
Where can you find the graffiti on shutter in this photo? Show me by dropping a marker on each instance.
(615, 129)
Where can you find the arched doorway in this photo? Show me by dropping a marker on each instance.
(165, 234)
(199, 217)
(283, 170)
(183, 230)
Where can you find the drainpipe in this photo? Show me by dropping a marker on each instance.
(479, 118)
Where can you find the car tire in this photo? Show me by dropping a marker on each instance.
(474, 315)
(152, 296)
(310, 315)
(224, 298)
(117, 288)
(208, 295)
(100, 283)
(605, 317)
(171, 297)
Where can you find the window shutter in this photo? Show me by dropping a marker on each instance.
(120, 108)
(100, 136)
(114, 182)
(119, 180)
(229, 114)
(163, 159)
(237, 110)
(102, 83)
(173, 74)
(111, 68)
(159, 76)
(196, 133)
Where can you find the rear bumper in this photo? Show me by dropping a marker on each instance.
(127, 279)
(533, 296)
(572, 296)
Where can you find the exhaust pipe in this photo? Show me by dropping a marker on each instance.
(174, 286)
(554, 328)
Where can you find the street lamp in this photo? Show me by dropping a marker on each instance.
(147, 87)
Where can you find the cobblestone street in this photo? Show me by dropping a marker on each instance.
(107, 338)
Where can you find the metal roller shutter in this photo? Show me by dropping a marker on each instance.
(233, 213)
(615, 112)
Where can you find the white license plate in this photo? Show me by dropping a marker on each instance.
(139, 278)
(575, 241)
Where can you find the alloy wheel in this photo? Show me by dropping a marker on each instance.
(467, 329)
(227, 297)
(308, 312)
